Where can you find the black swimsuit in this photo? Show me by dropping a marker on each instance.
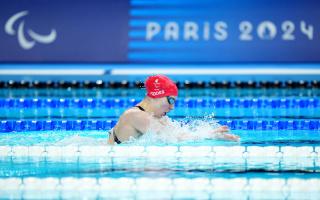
(115, 138)
(142, 109)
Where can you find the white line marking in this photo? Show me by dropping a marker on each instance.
(89, 72)
(230, 71)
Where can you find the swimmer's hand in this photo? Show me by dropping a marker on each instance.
(222, 133)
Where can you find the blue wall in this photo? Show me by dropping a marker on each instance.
(159, 31)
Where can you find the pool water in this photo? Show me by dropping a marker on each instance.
(56, 139)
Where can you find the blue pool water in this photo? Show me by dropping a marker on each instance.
(57, 139)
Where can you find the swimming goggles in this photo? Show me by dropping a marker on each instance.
(171, 100)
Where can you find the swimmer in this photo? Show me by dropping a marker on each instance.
(160, 99)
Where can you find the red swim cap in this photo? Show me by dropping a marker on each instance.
(160, 86)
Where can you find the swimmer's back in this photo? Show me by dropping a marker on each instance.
(132, 123)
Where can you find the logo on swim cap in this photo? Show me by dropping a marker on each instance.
(156, 83)
(160, 86)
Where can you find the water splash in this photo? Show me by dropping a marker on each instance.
(168, 131)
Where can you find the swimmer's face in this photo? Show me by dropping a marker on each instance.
(164, 105)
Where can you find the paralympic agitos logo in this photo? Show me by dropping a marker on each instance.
(22, 39)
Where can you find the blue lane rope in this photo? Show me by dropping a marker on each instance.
(46, 125)
(285, 103)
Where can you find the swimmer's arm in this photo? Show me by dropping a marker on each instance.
(218, 133)
(221, 133)
(141, 122)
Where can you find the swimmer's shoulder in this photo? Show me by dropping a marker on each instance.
(135, 113)
(137, 119)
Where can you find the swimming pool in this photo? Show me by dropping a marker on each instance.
(53, 145)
